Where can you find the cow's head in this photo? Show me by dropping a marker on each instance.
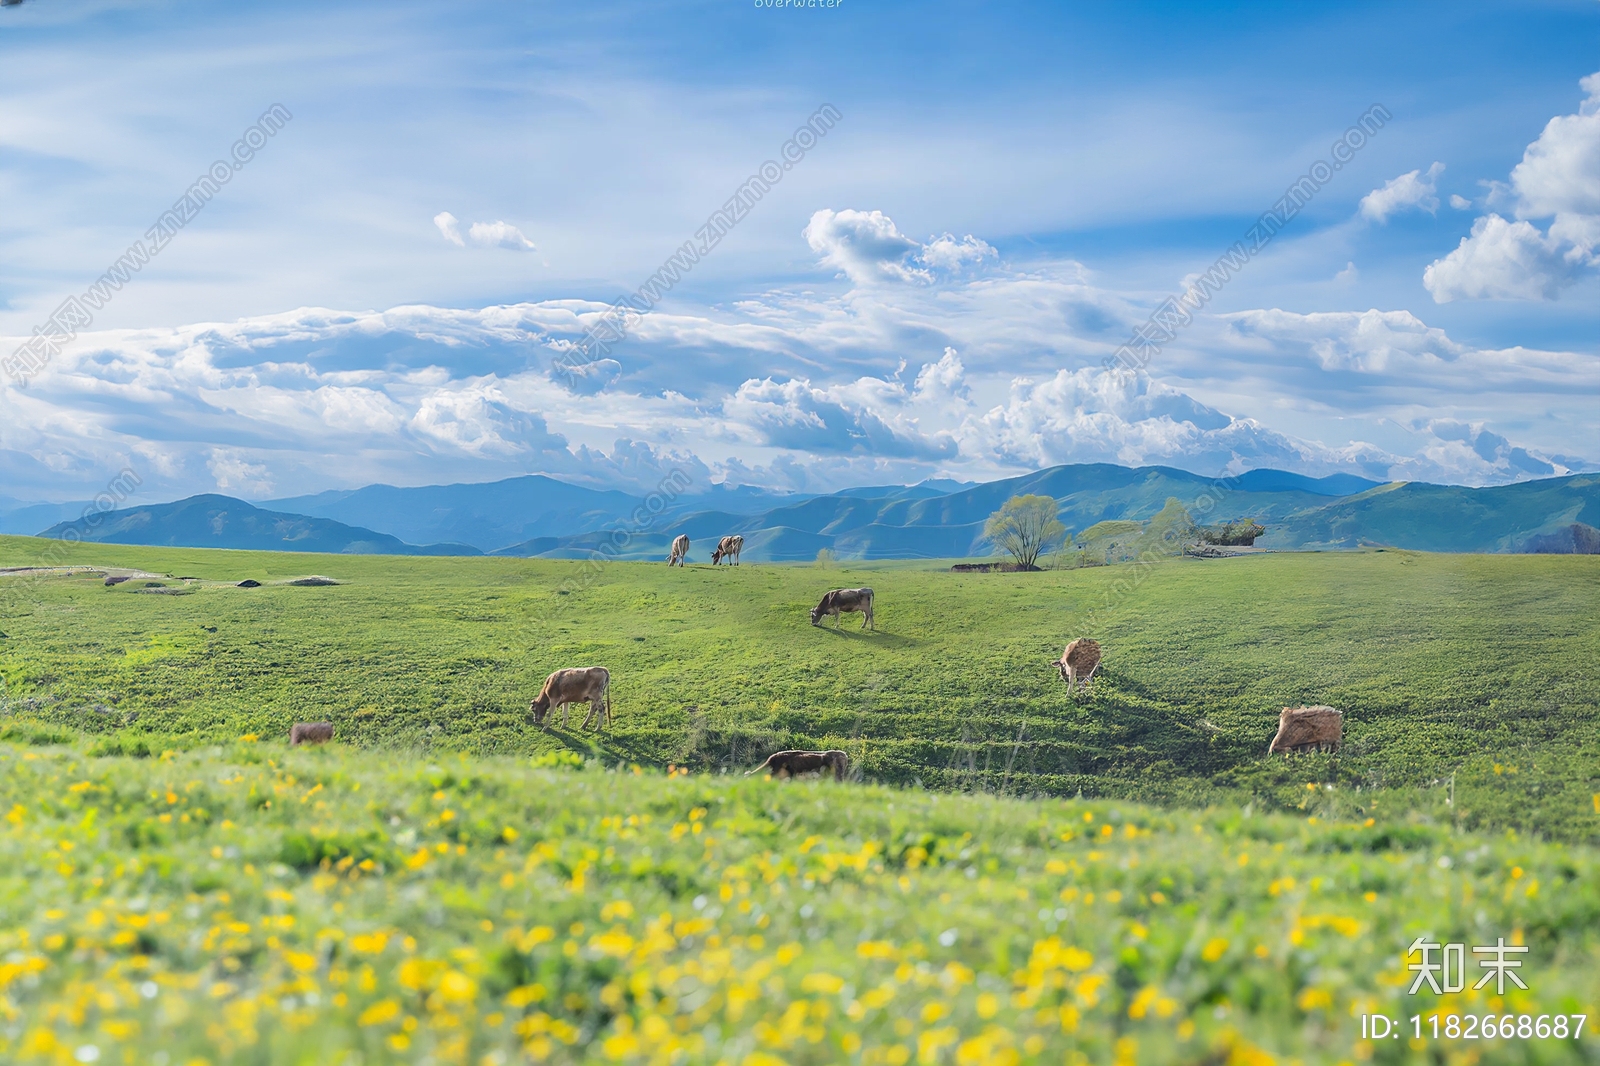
(716, 556)
(816, 613)
(539, 708)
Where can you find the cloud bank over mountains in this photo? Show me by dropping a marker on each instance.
(937, 360)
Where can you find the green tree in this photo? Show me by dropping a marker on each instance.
(1171, 529)
(1025, 528)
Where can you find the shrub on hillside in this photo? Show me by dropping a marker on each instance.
(1240, 533)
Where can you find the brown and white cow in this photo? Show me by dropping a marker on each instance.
(1078, 663)
(680, 549)
(841, 602)
(1319, 728)
(310, 733)
(795, 763)
(726, 547)
(581, 684)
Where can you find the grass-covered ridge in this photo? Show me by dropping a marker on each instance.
(1466, 673)
(252, 904)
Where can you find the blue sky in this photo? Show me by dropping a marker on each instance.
(931, 291)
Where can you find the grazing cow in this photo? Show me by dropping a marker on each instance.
(1078, 662)
(310, 733)
(794, 763)
(582, 684)
(1317, 728)
(726, 547)
(841, 602)
(680, 549)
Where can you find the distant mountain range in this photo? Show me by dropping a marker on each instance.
(498, 513)
(224, 522)
(538, 516)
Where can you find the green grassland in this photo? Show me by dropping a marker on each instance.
(248, 903)
(1468, 682)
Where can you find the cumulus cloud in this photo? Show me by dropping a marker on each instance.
(868, 248)
(1558, 179)
(1094, 415)
(856, 418)
(865, 246)
(1366, 342)
(946, 253)
(1503, 260)
(944, 379)
(480, 422)
(483, 234)
(237, 475)
(1560, 172)
(1410, 190)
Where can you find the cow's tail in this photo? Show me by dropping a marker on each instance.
(609, 717)
(758, 769)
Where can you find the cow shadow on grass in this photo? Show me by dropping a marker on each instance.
(608, 746)
(893, 640)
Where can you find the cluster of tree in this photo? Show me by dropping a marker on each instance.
(1028, 528)
(1233, 534)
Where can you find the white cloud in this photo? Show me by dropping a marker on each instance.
(1560, 172)
(1412, 189)
(483, 234)
(868, 248)
(450, 227)
(1559, 179)
(946, 378)
(949, 254)
(1459, 202)
(1367, 342)
(1093, 415)
(237, 475)
(500, 235)
(1502, 260)
(859, 418)
(865, 246)
(1348, 274)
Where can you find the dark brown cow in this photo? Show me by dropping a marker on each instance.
(1317, 728)
(1078, 662)
(310, 733)
(581, 684)
(842, 602)
(794, 763)
(680, 549)
(728, 547)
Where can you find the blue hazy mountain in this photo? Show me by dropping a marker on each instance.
(539, 516)
(223, 522)
(23, 518)
(497, 513)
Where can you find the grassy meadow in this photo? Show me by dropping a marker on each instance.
(249, 903)
(1468, 682)
(1016, 876)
